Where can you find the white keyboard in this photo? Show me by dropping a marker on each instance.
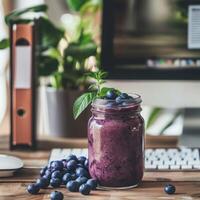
(173, 159)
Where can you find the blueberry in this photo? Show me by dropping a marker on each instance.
(47, 173)
(42, 182)
(86, 163)
(81, 159)
(111, 94)
(49, 165)
(85, 189)
(124, 96)
(65, 170)
(169, 189)
(92, 183)
(56, 195)
(81, 172)
(48, 177)
(72, 186)
(119, 100)
(56, 174)
(80, 165)
(81, 180)
(42, 171)
(57, 165)
(55, 182)
(66, 178)
(33, 189)
(64, 161)
(71, 157)
(71, 165)
(73, 175)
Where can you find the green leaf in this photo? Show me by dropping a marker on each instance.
(91, 6)
(16, 13)
(91, 74)
(56, 80)
(92, 87)
(173, 119)
(53, 53)
(4, 43)
(82, 102)
(101, 74)
(21, 21)
(155, 113)
(49, 35)
(97, 75)
(47, 65)
(85, 39)
(75, 5)
(81, 52)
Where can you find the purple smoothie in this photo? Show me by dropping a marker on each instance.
(116, 144)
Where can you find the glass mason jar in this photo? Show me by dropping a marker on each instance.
(116, 143)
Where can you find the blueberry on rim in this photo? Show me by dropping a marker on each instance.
(111, 94)
(124, 96)
(119, 100)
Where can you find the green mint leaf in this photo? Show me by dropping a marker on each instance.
(4, 43)
(91, 74)
(102, 82)
(99, 75)
(92, 87)
(82, 102)
(103, 91)
(102, 74)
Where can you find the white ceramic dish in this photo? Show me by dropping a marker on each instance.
(9, 164)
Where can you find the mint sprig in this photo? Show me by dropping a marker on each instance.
(82, 103)
(97, 91)
(98, 80)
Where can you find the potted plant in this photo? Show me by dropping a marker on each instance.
(63, 61)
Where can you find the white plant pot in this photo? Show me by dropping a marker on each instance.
(59, 114)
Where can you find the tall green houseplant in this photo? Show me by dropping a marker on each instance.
(63, 60)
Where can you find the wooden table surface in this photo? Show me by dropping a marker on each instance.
(187, 183)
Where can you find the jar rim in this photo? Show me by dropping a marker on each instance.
(104, 103)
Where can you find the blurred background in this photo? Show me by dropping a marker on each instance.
(75, 48)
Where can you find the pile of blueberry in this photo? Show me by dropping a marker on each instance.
(71, 172)
(119, 99)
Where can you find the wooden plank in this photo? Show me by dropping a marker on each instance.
(30, 175)
(147, 190)
(187, 183)
(47, 143)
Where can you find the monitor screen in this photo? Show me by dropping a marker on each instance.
(155, 34)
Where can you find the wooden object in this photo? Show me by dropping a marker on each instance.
(22, 79)
(187, 183)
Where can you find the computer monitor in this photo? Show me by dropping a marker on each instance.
(151, 39)
(153, 48)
